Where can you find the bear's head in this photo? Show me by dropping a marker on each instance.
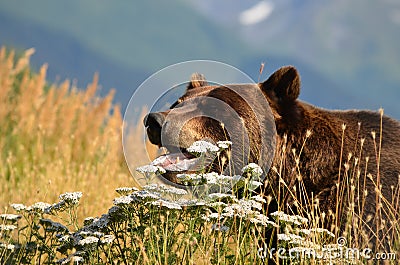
(251, 116)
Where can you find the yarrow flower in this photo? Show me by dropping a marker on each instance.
(289, 237)
(124, 200)
(19, 207)
(88, 241)
(7, 227)
(40, 207)
(322, 230)
(8, 246)
(252, 169)
(10, 217)
(224, 144)
(258, 198)
(74, 259)
(71, 197)
(190, 179)
(219, 196)
(201, 146)
(242, 209)
(261, 219)
(167, 204)
(107, 239)
(144, 195)
(100, 223)
(64, 238)
(212, 217)
(150, 169)
(165, 189)
(294, 219)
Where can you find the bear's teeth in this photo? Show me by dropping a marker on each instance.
(180, 162)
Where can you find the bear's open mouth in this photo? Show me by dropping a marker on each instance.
(179, 160)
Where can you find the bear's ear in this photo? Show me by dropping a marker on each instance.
(197, 80)
(283, 85)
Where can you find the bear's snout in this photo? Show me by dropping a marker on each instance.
(153, 123)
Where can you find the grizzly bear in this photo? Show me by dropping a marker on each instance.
(346, 161)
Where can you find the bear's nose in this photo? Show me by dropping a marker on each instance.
(153, 123)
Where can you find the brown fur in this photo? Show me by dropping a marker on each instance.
(320, 161)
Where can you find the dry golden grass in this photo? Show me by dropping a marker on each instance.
(56, 139)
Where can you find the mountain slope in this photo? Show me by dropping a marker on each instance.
(355, 43)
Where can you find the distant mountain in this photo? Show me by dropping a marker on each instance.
(68, 58)
(355, 43)
(346, 51)
(125, 41)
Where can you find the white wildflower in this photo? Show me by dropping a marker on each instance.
(202, 147)
(252, 203)
(88, 240)
(142, 195)
(305, 231)
(185, 202)
(19, 207)
(163, 203)
(71, 197)
(10, 217)
(74, 259)
(213, 216)
(150, 169)
(214, 178)
(302, 219)
(123, 200)
(40, 207)
(217, 204)
(288, 237)
(241, 209)
(258, 198)
(321, 231)
(107, 239)
(77, 259)
(64, 238)
(8, 246)
(211, 178)
(101, 222)
(261, 219)
(98, 234)
(165, 189)
(219, 196)
(7, 227)
(85, 233)
(253, 169)
(254, 185)
(224, 144)
(294, 219)
(190, 179)
(175, 191)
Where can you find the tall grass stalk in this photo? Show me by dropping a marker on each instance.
(56, 138)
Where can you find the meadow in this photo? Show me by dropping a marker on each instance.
(67, 196)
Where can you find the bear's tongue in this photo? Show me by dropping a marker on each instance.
(179, 162)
